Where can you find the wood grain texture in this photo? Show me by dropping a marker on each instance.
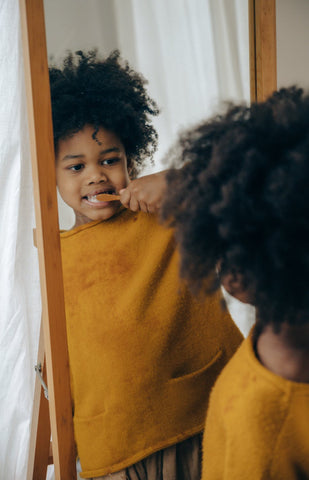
(263, 48)
(47, 237)
(40, 426)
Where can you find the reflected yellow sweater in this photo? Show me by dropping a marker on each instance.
(257, 425)
(143, 354)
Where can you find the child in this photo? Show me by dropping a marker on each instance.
(242, 202)
(143, 353)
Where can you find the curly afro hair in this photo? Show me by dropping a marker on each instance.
(104, 93)
(242, 200)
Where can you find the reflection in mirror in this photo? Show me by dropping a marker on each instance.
(194, 54)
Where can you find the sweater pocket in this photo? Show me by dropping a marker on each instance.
(184, 399)
(190, 392)
(198, 373)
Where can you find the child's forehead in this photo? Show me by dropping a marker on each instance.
(89, 134)
(90, 139)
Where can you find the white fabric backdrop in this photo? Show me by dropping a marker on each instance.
(210, 64)
(19, 283)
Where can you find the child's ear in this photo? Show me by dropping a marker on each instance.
(234, 284)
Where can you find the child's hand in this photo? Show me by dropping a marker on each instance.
(145, 193)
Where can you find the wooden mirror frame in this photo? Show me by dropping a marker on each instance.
(262, 49)
(56, 417)
(59, 422)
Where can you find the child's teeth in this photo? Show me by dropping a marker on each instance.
(93, 198)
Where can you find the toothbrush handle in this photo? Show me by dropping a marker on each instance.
(106, 197)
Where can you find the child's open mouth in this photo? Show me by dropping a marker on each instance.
(101, 197)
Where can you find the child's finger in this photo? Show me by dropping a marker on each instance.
(125, 197)
(152, 209)
(143, 206)
(134, 205)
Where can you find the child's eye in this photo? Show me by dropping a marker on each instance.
(77, 167)
(110, 161)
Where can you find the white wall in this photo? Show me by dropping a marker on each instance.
(293, 42)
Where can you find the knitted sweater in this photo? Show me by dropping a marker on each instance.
(257, 424)
(143, 353)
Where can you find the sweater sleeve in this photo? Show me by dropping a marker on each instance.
(256, 425)
(291, 454)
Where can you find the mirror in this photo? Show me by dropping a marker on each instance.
(195, 54)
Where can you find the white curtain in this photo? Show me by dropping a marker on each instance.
(195, 55)
(20, 308)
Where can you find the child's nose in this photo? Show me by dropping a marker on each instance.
(96, 175)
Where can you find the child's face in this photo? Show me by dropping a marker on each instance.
(85, 168)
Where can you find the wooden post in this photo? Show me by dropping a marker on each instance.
(263, 48)
(47, 235)
(38, 459)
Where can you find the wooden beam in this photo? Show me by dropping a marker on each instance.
(263, 48)
(47, 233)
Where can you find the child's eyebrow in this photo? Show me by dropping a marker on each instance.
(109, 150)
(71, 157)
(80, 155)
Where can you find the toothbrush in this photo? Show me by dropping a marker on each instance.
(107, 197)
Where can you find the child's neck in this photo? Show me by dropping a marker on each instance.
(285, 353)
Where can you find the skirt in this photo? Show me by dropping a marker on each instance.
(181, 461)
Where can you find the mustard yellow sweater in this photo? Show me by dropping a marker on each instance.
(257, 425)
(143, 354)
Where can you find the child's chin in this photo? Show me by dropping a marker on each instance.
(106, 214)
(95, 215)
